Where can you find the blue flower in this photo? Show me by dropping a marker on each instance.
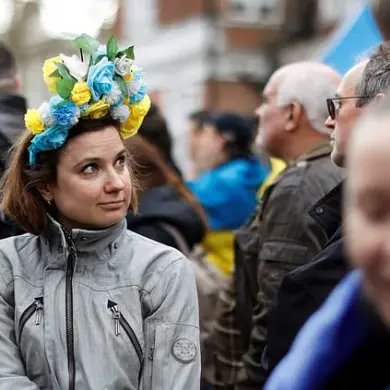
(83, 108)
(52, 138)
(65, 113)
(136, 82)
(55, 101)
(100, 78)
(139, 95)
(101, 51)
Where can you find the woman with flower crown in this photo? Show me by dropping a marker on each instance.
(85, 303)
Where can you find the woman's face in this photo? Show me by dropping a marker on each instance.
(93, 188)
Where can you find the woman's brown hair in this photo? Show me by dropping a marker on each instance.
(21, 200)
(152, 171)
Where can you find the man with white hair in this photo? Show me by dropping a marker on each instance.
(281, 236)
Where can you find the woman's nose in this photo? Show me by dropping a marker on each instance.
(114, 182)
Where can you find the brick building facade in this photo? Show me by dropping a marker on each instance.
(217, 54)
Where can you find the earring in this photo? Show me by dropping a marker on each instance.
(49, 202)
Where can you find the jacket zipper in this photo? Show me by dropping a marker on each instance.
(69, 312)
(120, 321)
(37, 308)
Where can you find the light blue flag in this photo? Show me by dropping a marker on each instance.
(357, 36)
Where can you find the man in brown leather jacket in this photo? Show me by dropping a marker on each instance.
(282, 235)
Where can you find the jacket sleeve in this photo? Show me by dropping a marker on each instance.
(12, 371)
(291, 239)
(171, 331)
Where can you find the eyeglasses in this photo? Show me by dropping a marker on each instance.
(330, 102)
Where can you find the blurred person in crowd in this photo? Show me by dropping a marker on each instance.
(281, 236)
(196, 123)
(155, 130)
(84, 302)
(346, 344)
(227, 188)
(167, 210)
(12, 110)
(303, 291)
(12, 104)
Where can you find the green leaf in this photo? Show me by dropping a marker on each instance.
(122, 85)
(56, 73)
(63, 71)
(129, 53)
(88, 44)
(64, 87)
(99, 58)
(112, 48)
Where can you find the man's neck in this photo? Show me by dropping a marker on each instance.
(300, 146)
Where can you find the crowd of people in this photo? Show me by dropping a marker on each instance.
(266, 266)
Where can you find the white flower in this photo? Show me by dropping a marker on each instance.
(45, 114)
(120, 113)
(123, 65)
(114, 96)
(76, 67)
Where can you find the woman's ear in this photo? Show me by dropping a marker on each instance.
(45, 191)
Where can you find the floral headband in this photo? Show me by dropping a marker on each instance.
(109, 85)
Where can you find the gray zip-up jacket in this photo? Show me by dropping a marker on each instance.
(96, 310)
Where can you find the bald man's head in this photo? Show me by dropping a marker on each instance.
(294, 98)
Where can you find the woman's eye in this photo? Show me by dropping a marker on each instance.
(90, 168)
(121, 162)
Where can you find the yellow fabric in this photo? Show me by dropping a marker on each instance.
(219, 245)
(277, 166)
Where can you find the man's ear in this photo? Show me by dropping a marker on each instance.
(45, 191)
(379, 97)
(294, 115)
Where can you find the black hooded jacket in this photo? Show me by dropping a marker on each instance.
(12, 110)
(163, 205)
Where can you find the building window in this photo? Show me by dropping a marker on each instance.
(333, 11)
(264, 12)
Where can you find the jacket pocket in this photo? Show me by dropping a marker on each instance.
(120, 322)
(173, 360)
(35, 308)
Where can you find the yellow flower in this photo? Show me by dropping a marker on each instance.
(126, 101)
(97, 110)
(81, 94)
(137, 115)
(128, 77)
(48, 68)
(33, 121)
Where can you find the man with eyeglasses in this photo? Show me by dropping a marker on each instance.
(303, 291)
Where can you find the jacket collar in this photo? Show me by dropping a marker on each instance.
(327, 211)
(100, 243)
(319, 150)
